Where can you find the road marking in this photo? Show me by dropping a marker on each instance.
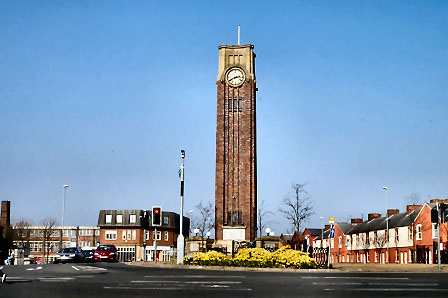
(55, 279)
(186, 282)
(355, 277)
(89, 268)
(173, 288)
(375, 284)
(17, 279)
(195, 276)
(337, 283)
(37, 268)
(404, 284)
(391, 289)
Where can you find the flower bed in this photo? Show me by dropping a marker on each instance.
(284, 257)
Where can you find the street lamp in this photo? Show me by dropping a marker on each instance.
(268, 230)
(63, 203)
(387, 223)
(180, 238)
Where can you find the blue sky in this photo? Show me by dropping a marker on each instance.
(103, 95)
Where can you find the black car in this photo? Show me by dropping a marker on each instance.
(69, 254)
(88, 255)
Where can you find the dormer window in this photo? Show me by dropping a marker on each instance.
(108, 218)
(119, 218)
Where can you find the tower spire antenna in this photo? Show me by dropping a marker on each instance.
(239, 34)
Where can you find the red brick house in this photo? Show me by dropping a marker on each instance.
(123, 229)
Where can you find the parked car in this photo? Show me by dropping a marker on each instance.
(69, 254)
(88, 255)
(106, 252)
(28, 261)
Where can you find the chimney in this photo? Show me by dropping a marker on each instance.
(355, 221)
(5, 218)
(327, 227)
(391, 212)
(410, 208)
(373, 216)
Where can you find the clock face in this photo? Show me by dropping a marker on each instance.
(235, 77)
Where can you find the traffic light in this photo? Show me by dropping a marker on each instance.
(157, 216)
(444, 212)
(434, 215)
(144, 219)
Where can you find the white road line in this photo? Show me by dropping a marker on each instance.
(187, 282)
(195, 276)
(55, 279)
(375, 284)
(74, 267)
(404, 284)
(355, 277)
(37, 268)
(173, 288)
(338, 283)
(391, 290)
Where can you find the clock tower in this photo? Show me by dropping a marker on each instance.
(236, 158)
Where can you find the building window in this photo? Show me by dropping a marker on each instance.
(434, 230)
(397, 237)
(132, 218)
(159, 235)
(111, 235)
(166, 220)
(134, 235)
(419, 232)
(108, 218)
(119, 218)
(340, 241)
(147, 235)
(376, 257)
(97, 232)
(235, 105)
(166, 236)
(129, 235)
(123, 235)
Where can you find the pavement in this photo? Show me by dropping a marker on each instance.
(337, 268)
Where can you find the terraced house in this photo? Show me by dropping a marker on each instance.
(408, 237)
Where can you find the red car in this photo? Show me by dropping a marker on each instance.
(106, 252)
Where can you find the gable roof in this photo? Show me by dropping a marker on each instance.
(313, 232)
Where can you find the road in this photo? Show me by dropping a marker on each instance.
(121, 280)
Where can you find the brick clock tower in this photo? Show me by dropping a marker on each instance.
(236, 155)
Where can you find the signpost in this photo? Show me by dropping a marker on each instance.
(330, 235)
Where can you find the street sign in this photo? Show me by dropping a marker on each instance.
(332, 233)
(331, 220)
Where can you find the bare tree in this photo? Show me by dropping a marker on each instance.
(205, 220)
(297, 209)
(22, 232)
(379, 242)
(262, 214)
(364, 242)
(48, 232)
(413, 198)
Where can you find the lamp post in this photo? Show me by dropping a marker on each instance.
(180, 238)
(387, 224)
(63, 203)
